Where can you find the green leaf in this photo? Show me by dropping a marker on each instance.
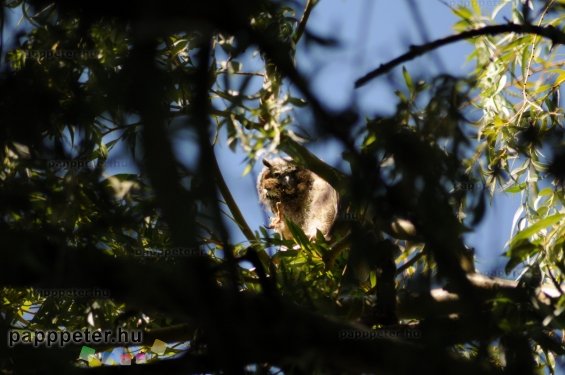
(298, 234)
(517, 16)
(545, 191)
(102, 151)
(535, 228)
(501, 85)
(498, 8)
(540, 167)
(525, 59)
(552, 101)
(518, 252)
(373, 279)
(463, 13)
(111, 144)
(560, 79)
(516, 188)
(408, 80)
(517, 172)
(543, 210)
(299, 102)
(247, 169)
(476, 7)
(179, 46)
(234, 66)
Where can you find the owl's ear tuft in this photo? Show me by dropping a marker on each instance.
(267, 164)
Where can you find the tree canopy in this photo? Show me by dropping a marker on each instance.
(394, 290)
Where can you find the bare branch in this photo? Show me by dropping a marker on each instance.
(304, 20)
(549, 32)
(230, 201)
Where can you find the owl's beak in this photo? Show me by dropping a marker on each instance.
(267, 164)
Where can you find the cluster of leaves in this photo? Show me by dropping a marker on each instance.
(520, 130)
(519, 78)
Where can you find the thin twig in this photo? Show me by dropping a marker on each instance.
(423, 30)
(549, 32)
(410, 263)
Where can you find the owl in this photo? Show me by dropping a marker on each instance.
(297, 194)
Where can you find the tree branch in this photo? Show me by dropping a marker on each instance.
(304, 20)
(445, 301)
(410, 262)
(230, 201)
(549, 32)
(257, 323)
(236, 212)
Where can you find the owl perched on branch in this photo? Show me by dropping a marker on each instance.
(299, 195)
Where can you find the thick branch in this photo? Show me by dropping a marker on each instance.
(275, 335)
(440, 302)
(549, 32)
(256, 322)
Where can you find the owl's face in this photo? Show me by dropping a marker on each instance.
(282, 180)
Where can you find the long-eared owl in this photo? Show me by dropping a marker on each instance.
(299, 195)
